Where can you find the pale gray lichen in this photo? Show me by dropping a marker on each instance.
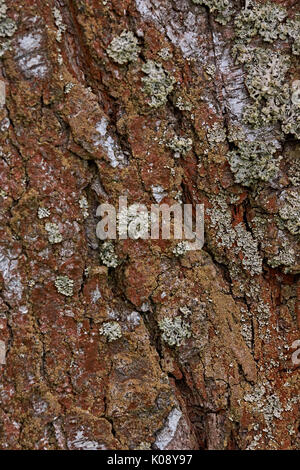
(111, 330)
(237, 238)
(183, 105)
(266, 83)
(290, 211)
(165, 53)
(7, 26)
(216, 134)
(64, 285)
(61, 27)
(84, 206)
(273, 98)
(180, 249)
(249, 247)
(180, 145)
(43, 213)
(185, 311)
(174, 330)
(124, 48)
(68, 87)
(269, 21)
(134, 221)
(108, 256)
(285, 257)
(54, 235)
(260, 19)
(254, 161)
(158, 83)
(222, 7)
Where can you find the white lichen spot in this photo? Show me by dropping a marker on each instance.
(111, 330)
(61, 27)
(108, 256)
(165, 436)
(180, 145)
(158, 193)
(64, 285)
(2, 93)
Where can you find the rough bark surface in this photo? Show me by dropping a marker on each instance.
(78, 128)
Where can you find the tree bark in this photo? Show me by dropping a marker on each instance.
(85, 119)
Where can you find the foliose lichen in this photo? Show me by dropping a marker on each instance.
(273, 97)
(254, 161)
(61, 27)
(43, 213)
(54, 235)
(158, 83)
(7, 26)
(180, 145)
(269, 21)
(111, 330)
(108, 255)
(64, 285)
(290, 210)
(216, 134)
(180, 249)
(174, 330)
(222, 7)
(124, 48)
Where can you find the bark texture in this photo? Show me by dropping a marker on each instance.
(91, 114)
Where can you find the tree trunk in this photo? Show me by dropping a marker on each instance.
(122, 344)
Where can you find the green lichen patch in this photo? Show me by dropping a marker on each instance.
(260, 19)
(54, 235)
(64, 285)
(254, 161)
(237, 238)
(180, 145)
(111, 330)
(158, 83)
(180, 249)
(124, 48)
(290, 211)
(223, 8)
(174, 330)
